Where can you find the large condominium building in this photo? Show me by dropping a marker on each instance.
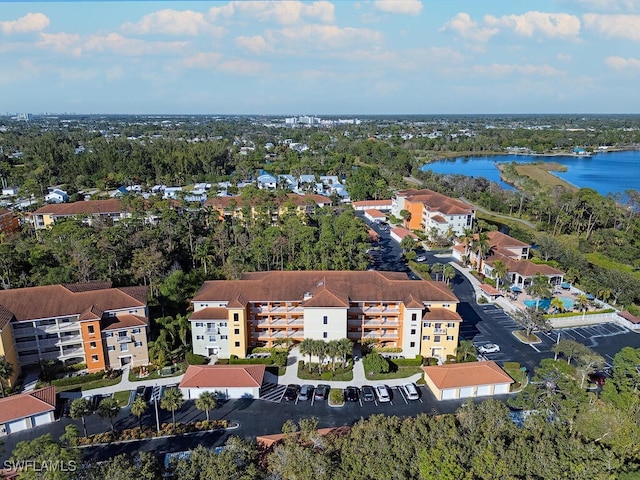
(110, 209)
(270, 209)
(8, 222)
(88, 323)
(430, 210)
(386, 308)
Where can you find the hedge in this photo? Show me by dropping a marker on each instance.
(407, 362)
(195, 359)
(79, 380)
(579, 314)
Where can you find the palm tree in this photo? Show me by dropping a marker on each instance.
(482, 248)
(80, 408)
(407, 244)
(500, 272)
(307, 348)
(448, 272)
(557, 304)
(539, 288)
(346, 348)
(207, 401)
(467, 238)
(406, 216)
(320, 349)
(332, 352)
(437, 269)
(109, 408)
(138, 407)
(172, 400)
(465, 349)
(582, 304)
(6, 371)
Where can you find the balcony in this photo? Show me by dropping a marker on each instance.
(380, 309)
(124, 339)
(26, 345)
(386, 335)
(72, 352)
(283, 322)
(29, 359)
(380, 323)
(69, 339)
(212, 331)
(440, 331)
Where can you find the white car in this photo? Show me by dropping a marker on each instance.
(421, 258)
(489, 348)
(382, 393)
(410, 391)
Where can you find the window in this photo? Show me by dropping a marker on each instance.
(450, 338)
(438, 325)
(451, 325)
(413, 331)
(426, 337)
(325, 334)
(237, 344)
(135, 330)
(108, 334)
(223, 337)
(436, 338)
(445, 305)
(412, 344)
(427, 324)
(122, 334)
(212, 338)
(325, 320)
(133, 312)
(124, 347)
(199, 324)
(236, 331)
(199, 337)
(210, 325)
(111, 348)
(223, 324)
(91, 329)
(137, 344)
(236, 317)
(94, 358)
(93, 345)
(414, 317)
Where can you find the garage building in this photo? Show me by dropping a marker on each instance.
(27, 410)
(226, 381)
(467, 380)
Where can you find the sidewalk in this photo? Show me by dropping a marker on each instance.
(502, 302)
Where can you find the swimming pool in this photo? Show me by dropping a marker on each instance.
(545, 303)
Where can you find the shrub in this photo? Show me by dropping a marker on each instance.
(407, 362)
(490, 281)
(327, 375)
(389, 349)
(430, 361)
(336, 396)
(482, 299)
(195, 359)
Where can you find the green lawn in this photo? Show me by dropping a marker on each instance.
(338, 376)
(123, 397)
(155, 375)
(89, 385)
(402, 372)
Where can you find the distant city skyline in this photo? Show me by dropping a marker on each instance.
(322, 57)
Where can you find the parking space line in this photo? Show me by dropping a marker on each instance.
(577, 332)
(534, 347)
(402, 394)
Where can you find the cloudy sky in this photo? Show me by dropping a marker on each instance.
(321, 57)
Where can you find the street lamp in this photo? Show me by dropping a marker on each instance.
(155, 403)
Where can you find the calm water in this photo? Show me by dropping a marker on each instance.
(612, 172)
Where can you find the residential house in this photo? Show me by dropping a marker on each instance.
(27, 410)
(264, 308)
(225, 381)
(514, 254)
(256, 207)
(431, 210)
(56, 195)
(466, 380)
(267, 181)
(89, 323)
(110, 209)
(8, 222)
(363, 205)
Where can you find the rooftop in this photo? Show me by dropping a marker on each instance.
(223, 376)
(456, 375)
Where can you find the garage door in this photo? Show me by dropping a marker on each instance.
(16, 426)
(504, 388)
(42, 419)
(484, 390)
(449, 394)
(466, 392)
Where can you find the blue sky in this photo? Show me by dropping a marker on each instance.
(321, 57)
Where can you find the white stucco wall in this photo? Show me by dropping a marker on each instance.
(336, 327)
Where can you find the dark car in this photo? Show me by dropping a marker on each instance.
(599, 378)
(321, 392)
(66, 407)
(351, 394)
(368, 394)
(291, 393)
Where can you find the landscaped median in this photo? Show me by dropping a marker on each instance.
(336, 397)
(147, 433)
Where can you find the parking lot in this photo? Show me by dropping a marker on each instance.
(396, 394)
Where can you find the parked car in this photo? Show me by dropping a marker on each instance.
(305, 392)
(410, 391)
(351, 394)
(383, 393)
(599, 378)
(66, 407)
(368, 395)
(291, 393)
(321, 392)
(421, 258)
(489, 348)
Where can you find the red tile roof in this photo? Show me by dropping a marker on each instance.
(24, 405)
(375, 213)
(223, 376)
(372, 203)
(457, 375)
(357, 286)
(326, 298)
(402, 232)
(239, 201)
(441, 314)
(125, 320)
(493, 291)
(629, 317)
(81, 208)
(210, 313)
(436, 202)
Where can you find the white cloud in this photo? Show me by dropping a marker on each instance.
(322, 37)
(406, 7)
(463, 26)
(620, 63)
(504, 70)
(215, 61)
(564, 57)
(614, 26)
(31, 22)
(172, 22)
(77, 45)
(552, 25)
(203, 60)
(256, 44)
(282, 13)
(243, 67)
(611, 5)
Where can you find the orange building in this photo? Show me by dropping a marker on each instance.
(90, 323)
(8, 222)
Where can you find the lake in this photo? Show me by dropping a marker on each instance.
(613, 172)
